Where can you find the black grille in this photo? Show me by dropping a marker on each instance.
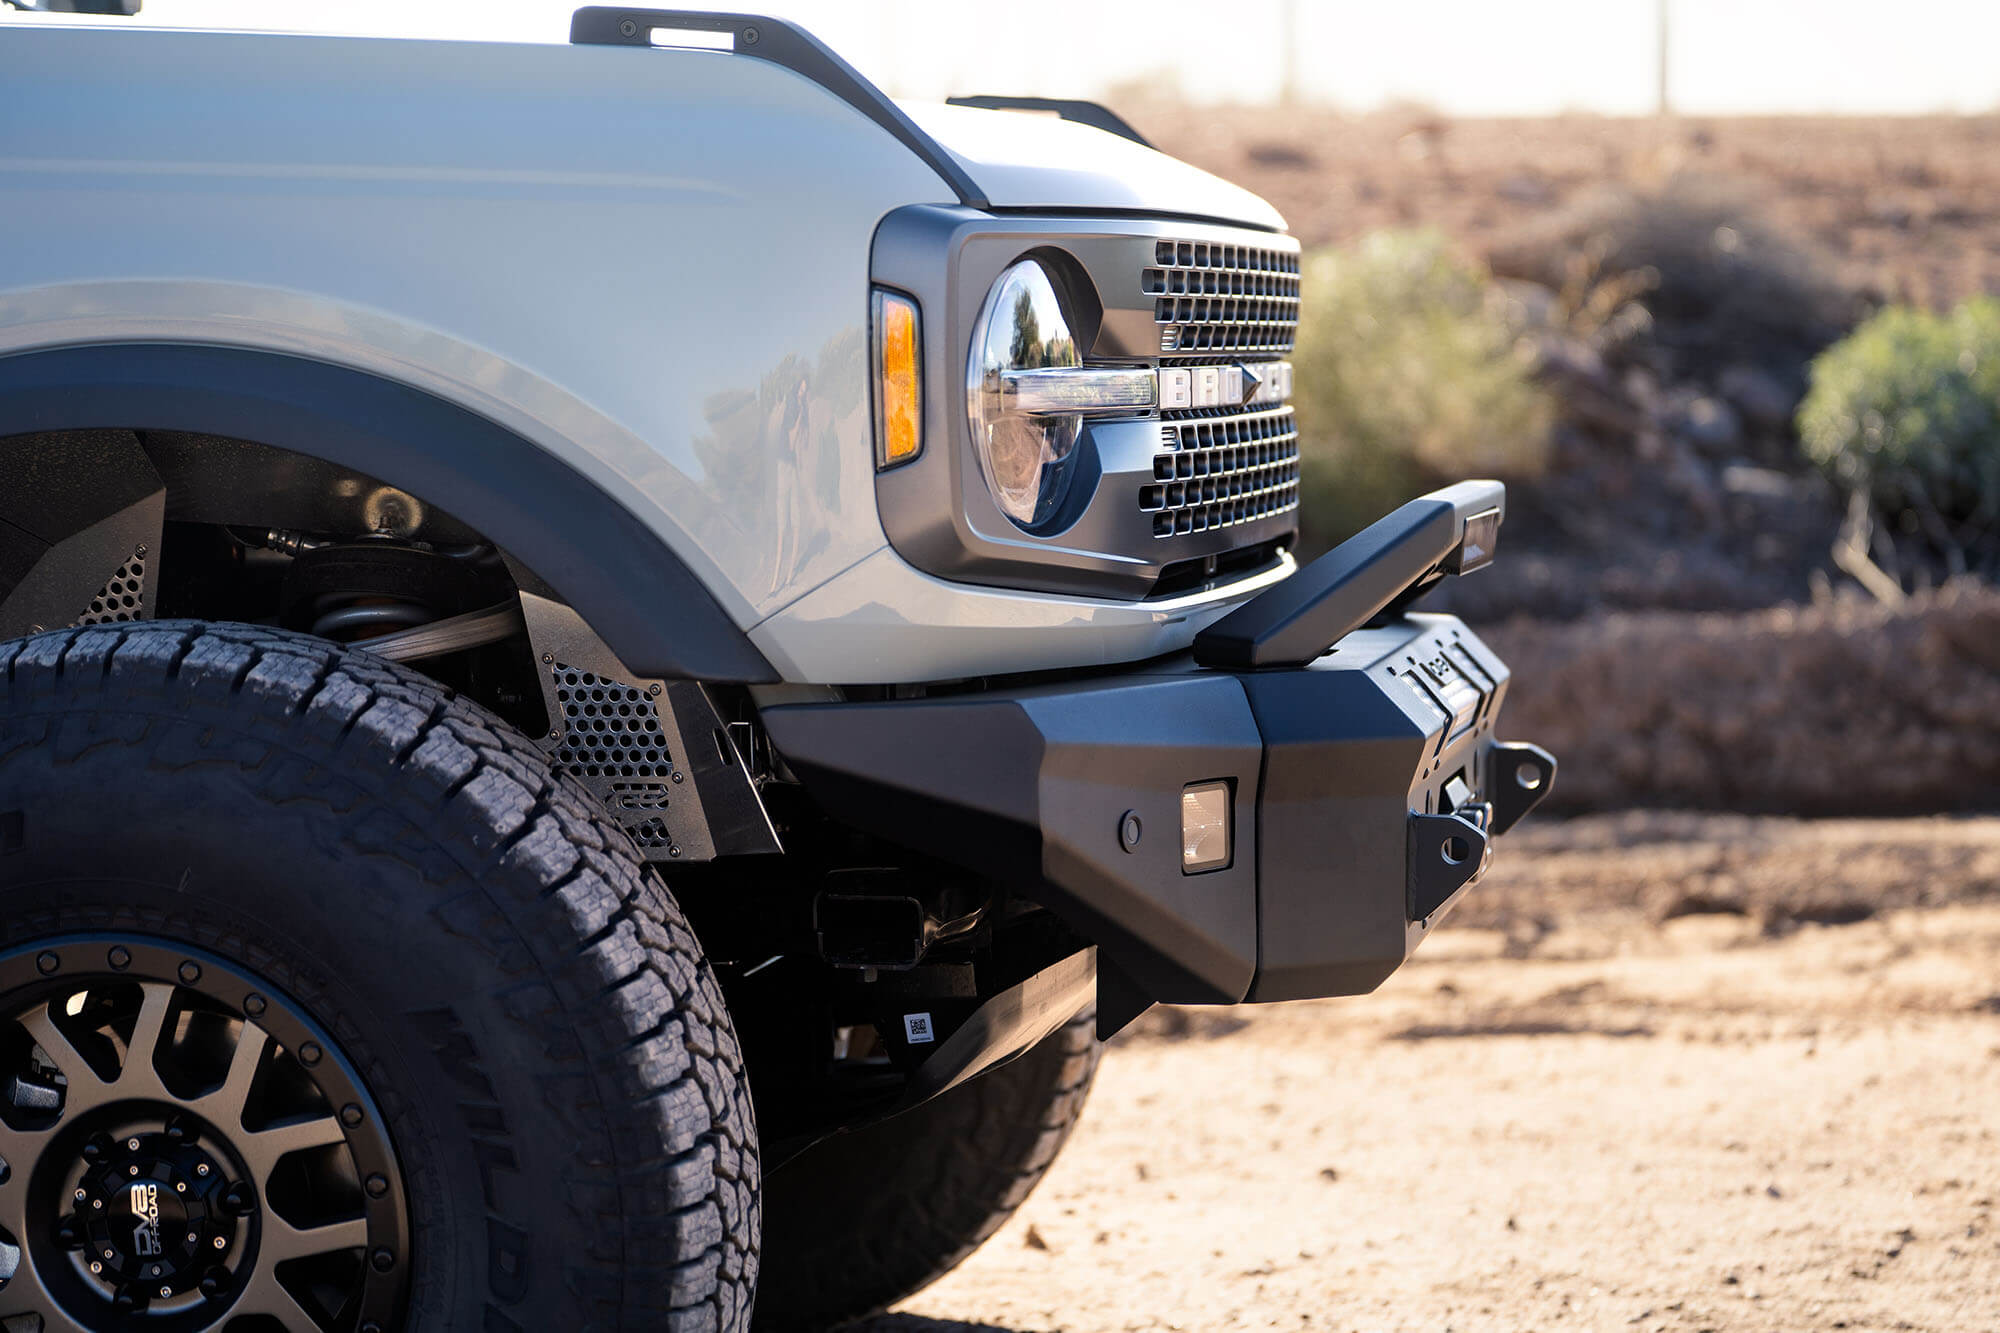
(1225, 466)
(1209, 297)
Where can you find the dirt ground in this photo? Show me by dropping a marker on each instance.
(1664, 1073)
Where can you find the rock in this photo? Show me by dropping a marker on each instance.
(1765, 399)
(1762, 482)
(1687, 477)
(1526, 189)
(1709, 424)
(1570, 361)
(1529, 305)
(1284, 156)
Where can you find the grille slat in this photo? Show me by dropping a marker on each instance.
(1221, 468)
(1209, 297)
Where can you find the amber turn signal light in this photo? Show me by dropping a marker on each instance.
(899, 397)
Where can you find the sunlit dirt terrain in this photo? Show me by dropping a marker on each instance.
(1664, 1073)
(1904, 205)
(1660, 1072)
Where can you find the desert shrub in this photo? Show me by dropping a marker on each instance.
(1723, 285)
(1406, 379)
(1906, 410)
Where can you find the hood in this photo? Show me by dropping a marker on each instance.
(1030, 160)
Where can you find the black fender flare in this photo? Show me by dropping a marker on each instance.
(619, 575)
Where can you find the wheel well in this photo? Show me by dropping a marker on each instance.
(130, 525)
(327, 422)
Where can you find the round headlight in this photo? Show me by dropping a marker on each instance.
(1027, 458)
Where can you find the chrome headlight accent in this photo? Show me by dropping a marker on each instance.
(1074, 391)
(1026, 456)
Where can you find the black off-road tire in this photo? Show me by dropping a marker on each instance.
(858, 1222)
(524, 1001)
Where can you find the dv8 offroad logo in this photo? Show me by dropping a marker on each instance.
(146, 1207)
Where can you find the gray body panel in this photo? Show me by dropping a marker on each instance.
(652, 264)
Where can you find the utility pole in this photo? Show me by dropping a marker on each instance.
(1288, 52)
(1663, 104)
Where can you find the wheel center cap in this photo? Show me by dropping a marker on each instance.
(152, 1214)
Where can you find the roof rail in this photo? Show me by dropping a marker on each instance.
(1094, 114)
(782, 43)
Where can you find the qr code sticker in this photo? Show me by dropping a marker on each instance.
(917, 1029)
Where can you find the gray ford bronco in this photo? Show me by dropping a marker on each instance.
(616, 658)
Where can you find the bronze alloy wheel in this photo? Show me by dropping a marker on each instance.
(185, 1150)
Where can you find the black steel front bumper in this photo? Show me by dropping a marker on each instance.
(1367, 781)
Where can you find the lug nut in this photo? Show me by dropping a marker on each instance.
(179, 1130)
(94, 1150)
(69, 1235)
(129, 1300)
(215, 1282)
(239, 1200)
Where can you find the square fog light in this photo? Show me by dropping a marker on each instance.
(1205, 827)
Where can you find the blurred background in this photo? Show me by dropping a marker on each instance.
(1703, 280)
(1714, 285)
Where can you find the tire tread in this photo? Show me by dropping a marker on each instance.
(659, 1069)
(865, 1220)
